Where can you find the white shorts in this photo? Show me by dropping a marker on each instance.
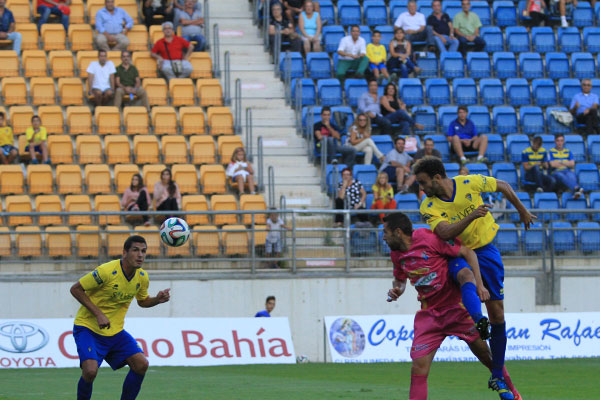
(243, 173)
(271, 247)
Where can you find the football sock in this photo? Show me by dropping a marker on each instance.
(498, 347)
(471, 301)
(418, 387)
(131, 386)
(84, 389)
(509, 381)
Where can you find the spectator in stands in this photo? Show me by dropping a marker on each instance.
(427, 150)
(37, 137)
(192, 23)
(397, 166)
(59, 8)
(269, 307)
(377, 56)
(7, 27)
(400, 56)
(463, 170)
(275, 227)
(535, 161)
(561, 161)
(240, 170)
(163, 8)
(353, 54)
(128, 83)
(288, 34)
(180, 5)
(171, 54)
(112, 24)
(328, 131)
(360, 139)
(414, 26)
(536, 11)
(462, 136)
(383, 194)
(351, 195)
(136, 197)
(8, 152)
(101, 79)
(563, 8)
(387, 110)
(441, 28)
(310, 25)
(166, 195)
(466, 28)
(293, 8)
(584, 106)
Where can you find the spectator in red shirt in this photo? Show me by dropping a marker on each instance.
(171, 54)
(55, 7)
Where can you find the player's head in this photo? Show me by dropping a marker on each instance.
(430, 173)
(270, 304)
(134, 251)
(397, 231)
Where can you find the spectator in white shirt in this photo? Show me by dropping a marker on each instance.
(353, 55)
(101, 79)
(415, 27)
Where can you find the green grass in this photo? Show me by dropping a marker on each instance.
(565, 379)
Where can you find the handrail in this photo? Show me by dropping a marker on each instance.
(323, 165)
(310, 135)
(249, 133)
(276, 52)
(265, 20)
(298, 106)
(237, 123)
(287, 71)
(216, 57)
(259, 148)
(206, 13)
(271, 184)
(227, 79)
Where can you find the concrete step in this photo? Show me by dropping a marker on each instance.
(320, 251)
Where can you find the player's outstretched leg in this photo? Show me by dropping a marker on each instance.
(510, 385)
(481, 350)
(418, 377)
(138, 365)
(89, 370)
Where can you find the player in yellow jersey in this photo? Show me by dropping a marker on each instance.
(105, 295)
(454, 208)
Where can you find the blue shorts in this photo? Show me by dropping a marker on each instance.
(37, 149)
(491, 267)
(379, 66)
(114, 349)
(6, 149)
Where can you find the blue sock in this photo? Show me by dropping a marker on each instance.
(498, 347)
(471, 301)
(131, 386)
(84, 389)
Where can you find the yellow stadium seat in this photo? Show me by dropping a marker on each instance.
(42, 91)
(97, 178)
(174, 149)
(70, 91)
(155, 34)
(138, 38)
(235, 241)
(81, 37)
(54, 37)
(181, 91)
(202, 149)
(114, 56)
(226, 146)
(89, 149)
(20, 118)
(14, 91)
(224, 202)
(60, 148)
(5, 242)
(212, 179)
(145, 148)
(29, 241)
(253, 202)
(157, 91)
(220, 121)
(123, 174)
(34, 63)
(52, 118)
(116, 149)
(68, 178)
(206, 240)
(58, 241)
(116, 235)
(106, 203)
(181, 251)
(77, 13)
(92, 10)
(83, 59)
(186, 177)
(164, 120)
(195, 202)
(108, 120)
(260, 235)
(210, 92)
(24, 156)
(135, 120)
(78, 203)
(132, 10)
(145, 64)
(49, 203)
(79, 120)
(29, 35)
(19, 204)
(61, 63)
(192, 120)
(201, 64)
(88, 240)
(151, 174)
(11, 179)
(150, 233)
(21, 10)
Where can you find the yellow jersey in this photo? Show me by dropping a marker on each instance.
(465, 199)
(376, 53)
(109, 289)
(6, 136)
(38, 137)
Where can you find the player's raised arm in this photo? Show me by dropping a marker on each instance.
(79, 293)
(447, 231)
(398, 287)
(161, 297)
(526, 217)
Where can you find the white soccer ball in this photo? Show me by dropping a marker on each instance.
(174, 232)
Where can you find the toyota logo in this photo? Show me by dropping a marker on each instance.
(22, 337)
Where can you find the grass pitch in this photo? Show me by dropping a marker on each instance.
(566, 379)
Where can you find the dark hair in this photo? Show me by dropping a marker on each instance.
(347, 169)
(102, 51)
(559, 135)
(2, 114)
(36, 117)
(371, 81)
(354, 26)
(400, 221)
(430, 165)
(376, 31)
(325, 108)
(537, 139)
(125, 51)
(171, 189)
(397, 28)
(269, 298)
(399, 138)
(464, 108)
(140, 182)
(429, 140)
(395, 90)
(133, 239)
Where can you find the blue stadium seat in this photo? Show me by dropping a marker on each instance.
(507, 173)
(515, 144)
(441, 144)
(534, 240)
(478, 169)
(591, 38)
(554, 126)
(331, 179)
(397, 7)
(365, 33)
(310, 116)
(446, 115)
(482, 9)
(354, 88)
(531, 65)
(318, 65)
(366, 174)
(517, 90)
(593, 145)
(525, 184)
(596, 86)
(327, 12)
(424, 7)
(384, 143)
(543, 39)
(495, 150)
(451, 7)
(532, 120)
(569, 203)
(349, 12)
(411, 91)
(375, 12)
(408, 204)
(481, 118)
(305, 88)
(544, 92)
(429, 65)
(296, 65)
(464, 90)
(505, 13)
(583, 65)
(332, 34)
(563, 236)
(451, 169)
(505, 65)
(494, 40)
(507, 238)
(525, 199)
(569, 39)
(491, 91)
(329, 92)
(595, 204)
(588, 239)
(426, 116)
(384, 248)
(583, 15)
(576, 145)
(369, 201)
(349, 117)
(362, 242)
(452, 64)
(567, 88)
(587, 175)
(437, 91)
(546, 201)
(557, 65)
(505, 120)
(479, 65)
(517, 39)
(387, 34)
(547, 141)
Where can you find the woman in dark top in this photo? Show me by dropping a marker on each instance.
(288, 35)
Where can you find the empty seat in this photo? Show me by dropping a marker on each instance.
(145, 64)
(116, 235)
(135, 120)
(34, 63)
(68, 179)
(150, 233)
(411, 91)
(479, 65)
(29, 241)
(409, 204)
(531, 65)
(437, 91)
(375, 12)
(588, 236)
(181, 91)
(108, 120)
(54, 37)
(505, 119)
(52, 119)
(507, 239)
(332, 34)
(89, 149)
(517, 90)
(196, 202)
(164, 120)
(212, 179)
(123, 174)
(29, 35)
(491, 91)
(354, 88)
(318, 65)
(97, 178)
(201, 65)
(569, 203)
(116, 148)
(42, 91)
(532, 120)
(563, 236)
(235, 237)
(210, 92)
(191, 120)
(583, 65)
(366, 174)
(224, 203)
(206, 240)
(588, 176)
(303, 92)
(557, 65)
(426, 116)
(593, 145)
(543, 39)
(505, 13)
(58, 241)
(507, 173)
(157, 91)
(20, 118)
(11, 179)
(174, 149)
(145, 149)
(60, 149)
(495, 150)
(151, 174)
(14, 91)
(515, 144)
(19, 204)
(81, 36)
(452, 64)
(329, 92)
(107, 203)
(569, 39)
(517, 38)
(70, 91)
(78, 203)
(567, 88)
(544, 92)
(220, 121)
(505, 65)
(546, 201)
(138, 38)
(591, 38)
(61, 63)
(88, 240)
(253, 202)
(202, 149)
(49, 203)
(186, 177)
(494, 40)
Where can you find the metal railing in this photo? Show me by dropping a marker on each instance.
(276, 51)
(206, 13)
(237, 123)
(227, 79)
(266, 17)
(271, 186)
(216, 52)
(260, 163)
(249, 132)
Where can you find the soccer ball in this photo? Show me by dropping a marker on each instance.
(174, 232)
